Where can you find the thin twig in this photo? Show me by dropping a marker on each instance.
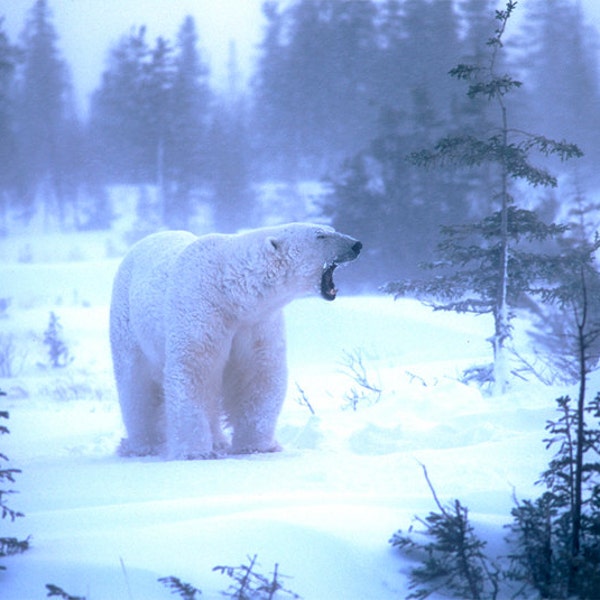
(126, 577)
(437, 501)
(304, 400)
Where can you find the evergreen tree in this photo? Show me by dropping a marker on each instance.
(8, 545)
(490, 264)
(313, 90)
(557, 536)
(58, 351)
(430, 49)
(478, 19)
(418, 43)
(390, 67)
(305, 82)
(394, 208)
(150, 119)
(47, 124)
(191, 104)
(560, 59)
(568, 322)
(354, 47)
(269, 91)
(155, 112)
(475, 115)
(573, 477)
(231, 164)
(115, 123)
(455, 560)
(9, 158)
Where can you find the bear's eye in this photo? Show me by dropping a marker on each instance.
(321, 235)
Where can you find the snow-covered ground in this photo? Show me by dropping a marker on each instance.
(323, 509)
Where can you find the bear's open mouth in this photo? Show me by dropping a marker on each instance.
(328, 290)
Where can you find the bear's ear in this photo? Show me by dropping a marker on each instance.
(273, 243)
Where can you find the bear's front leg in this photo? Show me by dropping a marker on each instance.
(192, 403)
(255, 384)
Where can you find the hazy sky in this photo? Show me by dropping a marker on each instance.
(89, 28)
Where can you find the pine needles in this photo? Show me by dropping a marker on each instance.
(454, 559)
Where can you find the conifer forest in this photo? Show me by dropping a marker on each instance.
(341, 93)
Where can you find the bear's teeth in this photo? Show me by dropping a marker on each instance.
(328, 290)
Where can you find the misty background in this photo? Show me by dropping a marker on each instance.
(235, 114)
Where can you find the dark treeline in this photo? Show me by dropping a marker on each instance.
(342, 91)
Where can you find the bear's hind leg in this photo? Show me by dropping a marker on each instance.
(220, 442)
(142, 407)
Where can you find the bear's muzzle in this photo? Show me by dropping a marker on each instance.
(351, 250)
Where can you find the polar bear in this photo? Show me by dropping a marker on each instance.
(197, 334)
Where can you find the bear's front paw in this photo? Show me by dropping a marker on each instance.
(276, 447)
(222, 448)
(259, 449)
(198, 452)
(127, 449)
(194, 455)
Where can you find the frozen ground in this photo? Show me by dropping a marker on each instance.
(323, 509)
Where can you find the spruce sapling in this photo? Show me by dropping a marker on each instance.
(454, 560)
(186, 590)
(557, 536)
(250, 585)
(58, 353)
(56, 592)
(8, 545)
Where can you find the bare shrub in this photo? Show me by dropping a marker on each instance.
(11, 359)
(366, 391)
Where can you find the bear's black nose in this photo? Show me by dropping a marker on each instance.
(357, 248)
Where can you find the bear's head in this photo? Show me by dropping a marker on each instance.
(308, 254)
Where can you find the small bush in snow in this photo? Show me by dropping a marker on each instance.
(367, 392)
(481, 375)
(186, 590)
(557, 536)
(7, 354)
(454, 560)
(250, 585)
(303, 399)
(8, 545)
(58, 352)
(55, 592)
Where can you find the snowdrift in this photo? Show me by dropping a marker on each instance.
(323, 509)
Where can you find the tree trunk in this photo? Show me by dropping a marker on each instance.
(580, 424)
(501, 316)
(160, 179)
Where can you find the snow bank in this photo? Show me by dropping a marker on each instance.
(323, 509)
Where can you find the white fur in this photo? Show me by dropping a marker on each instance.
(197, 334)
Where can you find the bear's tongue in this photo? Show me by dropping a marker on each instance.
(328, 290)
